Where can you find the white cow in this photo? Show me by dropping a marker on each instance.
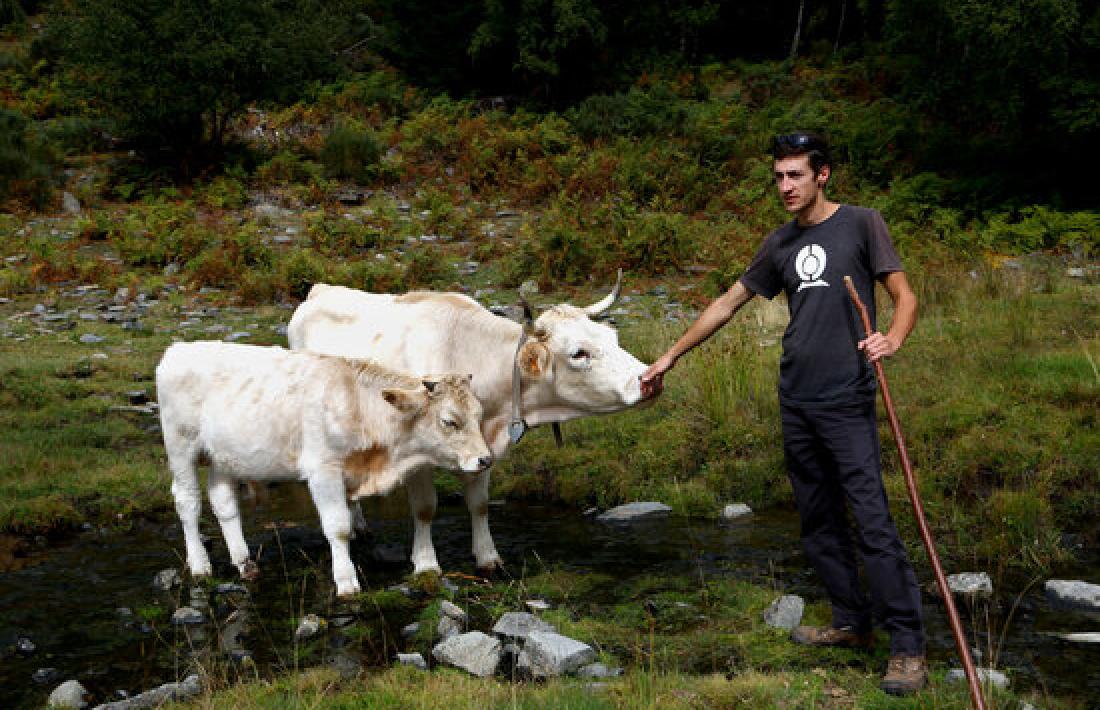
(348, 428)
(571, 366)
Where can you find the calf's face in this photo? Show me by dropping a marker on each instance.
(444, 420)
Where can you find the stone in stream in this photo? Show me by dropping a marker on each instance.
(25, 647)
(517, 625)
(1074, 593)
(44, 676)
(634, 511)
(189, 687)
(412, 659)
(473, 652)
(91, 339)
(547, 654)
(308, 627)
(785, 612)
(976, 585)
(735, 510)
(985, 675)
(70, 694)
(166, 579)
(186, 616)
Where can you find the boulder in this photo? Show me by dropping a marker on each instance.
(976, 585)
(634, 511)
(547, 654)
(517, 625)
(473, 652)
(1073, 593)
(785, 612)
(70, 694)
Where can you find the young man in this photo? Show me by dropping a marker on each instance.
(827, 400)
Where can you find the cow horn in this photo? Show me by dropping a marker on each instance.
(528, 314)
(600, 307)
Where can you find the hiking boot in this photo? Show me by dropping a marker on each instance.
(905, 675)
(844, 637)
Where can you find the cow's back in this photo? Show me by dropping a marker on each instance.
(402, 331)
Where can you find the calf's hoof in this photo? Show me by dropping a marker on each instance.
(493, 571)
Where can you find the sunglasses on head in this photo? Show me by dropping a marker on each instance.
(797, 141)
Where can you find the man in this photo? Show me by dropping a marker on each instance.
(827, 400)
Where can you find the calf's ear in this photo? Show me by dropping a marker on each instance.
(408, 402)
(534, 359)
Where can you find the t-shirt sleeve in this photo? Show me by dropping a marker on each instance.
(762, 278)
(884, 258)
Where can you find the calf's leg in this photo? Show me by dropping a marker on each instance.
(326, 485)
(422, 502)
(222, 490)
(477, 501)
(183, 460)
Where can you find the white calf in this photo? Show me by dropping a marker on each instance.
(348, 428)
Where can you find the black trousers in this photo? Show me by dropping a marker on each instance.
(833, 460)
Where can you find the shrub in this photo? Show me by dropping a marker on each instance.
(1039, 227)
(26, 162)
(223, 192)
(287, 167)
(351, 152)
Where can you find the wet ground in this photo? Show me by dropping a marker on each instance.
(88, 607)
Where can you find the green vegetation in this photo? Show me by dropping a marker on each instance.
(228, 157)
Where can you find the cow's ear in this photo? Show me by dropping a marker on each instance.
(534, 359)
(407, 402)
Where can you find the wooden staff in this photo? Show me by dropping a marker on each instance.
(918, 510)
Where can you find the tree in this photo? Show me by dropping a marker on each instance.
(174, 74)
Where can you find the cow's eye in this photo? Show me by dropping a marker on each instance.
(580, 354)
(450, 423)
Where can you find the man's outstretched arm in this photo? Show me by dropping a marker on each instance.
(716, 315)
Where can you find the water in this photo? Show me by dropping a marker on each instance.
(66, 597)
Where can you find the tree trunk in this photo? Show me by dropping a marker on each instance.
(840, 25)
(797, 29)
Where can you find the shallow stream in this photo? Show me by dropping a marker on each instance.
(88, 606)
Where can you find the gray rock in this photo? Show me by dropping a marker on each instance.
(166, 579)
(410, 630)
(187, 616)
(122, 295)
(547, 654)
(537, 604)
(42, 676)
(230, 588)
(598, 670)
(985, 675)
(69, 203)
(736, 510)
(448, 627)
(189, 687)
(25, 647)
(785, 612)
(452, 610)
(238, 335)
(474, 652)
(308, 627)
(1073, 593)
(1081, 637)
(412, 659)
(171, 269)
(529, 286)
(70, 694)
(634, 511)
(971, 584)
(517, 625)
(91, 339)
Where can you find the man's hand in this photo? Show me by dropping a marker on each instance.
(877, 346)
(653, 378)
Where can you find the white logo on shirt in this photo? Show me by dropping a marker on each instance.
(810, 265)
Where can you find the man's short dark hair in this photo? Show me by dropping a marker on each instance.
(813, 145)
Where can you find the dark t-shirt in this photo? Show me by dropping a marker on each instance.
(821, 365)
